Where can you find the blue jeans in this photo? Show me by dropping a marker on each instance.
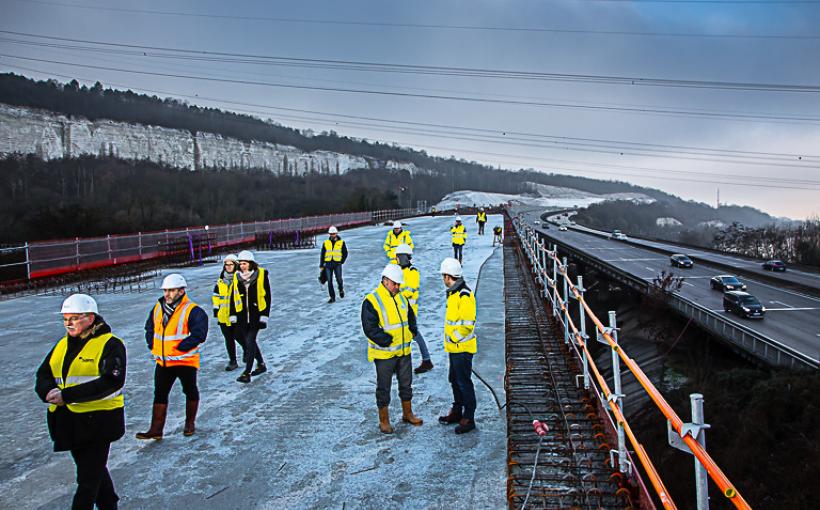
(332, 268)
(425, 354)
(457, 251)
(461, 365)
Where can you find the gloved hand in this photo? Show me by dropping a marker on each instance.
(263, 321)
(232, 319)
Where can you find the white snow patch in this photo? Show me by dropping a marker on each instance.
(667, 222)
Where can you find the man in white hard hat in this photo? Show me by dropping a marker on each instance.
(175, 328)
(481, 219)
(461, 344)
(389, 324)
(410, 290)
(458, 236)
(333, 256)
(394, 238)
(82, 379)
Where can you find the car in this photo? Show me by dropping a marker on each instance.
(562, 228)
(545, 225)
(774, 265)
(618, 235)
(681, 260)
(726, 282)
(743, 304)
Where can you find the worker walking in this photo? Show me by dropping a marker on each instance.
(410, 290)
(333, 256)
(250, 310)
(481, 219)
(389, 324)
(461, 344)
(174, 330)
(394, 238)
(222, 308)
(497, 239)
(458, 237)
(81, 379)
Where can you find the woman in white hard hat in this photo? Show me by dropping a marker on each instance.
(250, 309)
(82, 379)
(222, 308)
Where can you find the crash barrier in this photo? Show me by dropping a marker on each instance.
(42, 259)
(550, 273)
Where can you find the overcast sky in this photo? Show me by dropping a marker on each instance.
(773, 135)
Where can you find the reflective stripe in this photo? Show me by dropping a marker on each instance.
(387, 326)
(460, 323)
(393, 348)
(192, 352)
(465, 339)
(412, 301)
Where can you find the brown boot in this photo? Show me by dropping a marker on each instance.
(157, 423)
(384, 421)
(426, 366)
(453, 417)
(191, 407)
(407, 414)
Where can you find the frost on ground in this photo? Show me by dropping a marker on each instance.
(304, 435)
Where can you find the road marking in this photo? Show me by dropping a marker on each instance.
(782, 303)
(789, 309)
(629, 260)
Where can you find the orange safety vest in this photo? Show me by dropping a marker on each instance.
(166, 339)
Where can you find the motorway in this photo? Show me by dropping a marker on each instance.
(792, 318)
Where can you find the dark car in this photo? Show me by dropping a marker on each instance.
(774, 265)
(680, 260)
(726, 282)
(743, 304)
(545, 225)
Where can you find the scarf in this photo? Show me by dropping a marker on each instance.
(249, 278)
(168, 310)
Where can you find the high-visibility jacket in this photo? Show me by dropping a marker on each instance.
(481, 217)
(394, 320)
(459, 321)
(459, 234)
(222, 301)
(168, 337)
(84, 368)
(260, 292)
(392, 241)
(333, 251)
(410, 288)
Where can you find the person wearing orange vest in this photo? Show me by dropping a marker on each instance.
(174, 330)
(331, 259)
(82, 379)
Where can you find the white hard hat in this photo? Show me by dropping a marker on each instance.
(230, 258)
(245, 256)
(397, 224)
(451, 266)
(79, 303)
(404, 248)
(394, 273)
(458, 218)
(332, 230)
(173, 281)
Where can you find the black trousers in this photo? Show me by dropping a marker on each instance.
(231, 339)
(481, 228)
(402, 366)
(165, 377)
(246, 336)
(333, 268)
(457, 249)
(461, 365)
(94, 485)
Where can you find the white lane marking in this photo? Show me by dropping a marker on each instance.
(650, 268)
(629, 260)
(695, 277)
(782, 303)
(789, 309)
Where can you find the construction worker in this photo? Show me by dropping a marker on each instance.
(461, 344)
(394, 238)
(410, 290)
(497, 235)
(222, 308)
(458, 237)
(81, 379)
(333, 256)
(389, 324)
(250, 310)
(481, 219)
(174, 330)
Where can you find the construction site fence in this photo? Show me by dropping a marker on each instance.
(43, 259)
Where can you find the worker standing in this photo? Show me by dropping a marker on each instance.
(394, 238)
(222, 308)
(82, 379)
(250, 310)
(389, 324)
(461, 344)
(459, 238)
(333, 256)
(174, 330)
(481, 219)
(410, 290)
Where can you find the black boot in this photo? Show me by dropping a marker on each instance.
(244, 378)
(341, 293)
(260, 369)
(465, 425)
(453, 417)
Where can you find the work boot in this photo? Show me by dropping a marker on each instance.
(341, 293)
(231, 366)
(244, 378)
(465, 425)
(331, 300)
(426, 366)
(157, 423)
(384, 421)
(260, 369)
(191, 407)
(453, 417)
(407, 414)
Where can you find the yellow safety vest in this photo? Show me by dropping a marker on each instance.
(167, 338)
(392, 241)
(333, 251)
(260, 291)
(481, 217)
(84, 368)
(410, 288)
(222, 301)
(393, 319)
(459, 323)
(459, 234)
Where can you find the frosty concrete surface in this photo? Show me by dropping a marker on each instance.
(304, 435)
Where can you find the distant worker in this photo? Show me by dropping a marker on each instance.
(223, 290)
(497, 236)
(394, 238)
(82, 379)
(481, 219)
(459, 237)
(250, 310)
(410, 290)
(389, 324)
(333, 256)
(461, 344)
(174, 330)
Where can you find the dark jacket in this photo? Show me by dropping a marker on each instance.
(71, 430)
(197, 328)
(372, 330)
(251, 313)
(332, 263)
